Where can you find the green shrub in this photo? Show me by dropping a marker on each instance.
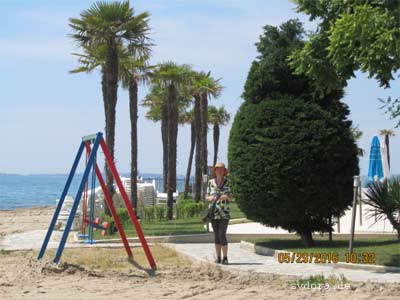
(160, 212)
(149, 215)
(123, 216)
(188, 208)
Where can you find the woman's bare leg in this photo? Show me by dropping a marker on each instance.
(218, 249)
(225, 250)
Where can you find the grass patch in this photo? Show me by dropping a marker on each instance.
(173, 227)
(4, 252)
(317, 279)
(386, 249)
(235, 211)
(105, 259)
(192, 225)
(320, 281)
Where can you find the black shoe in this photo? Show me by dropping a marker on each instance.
(225, 261)
(218, 260)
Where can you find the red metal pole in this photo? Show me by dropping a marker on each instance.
(112, 209)
(128, 204)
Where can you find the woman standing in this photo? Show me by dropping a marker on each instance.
(219, 193)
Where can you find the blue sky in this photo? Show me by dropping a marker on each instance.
(45, 110)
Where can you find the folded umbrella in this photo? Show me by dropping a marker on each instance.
(375, 171)
(385, 162)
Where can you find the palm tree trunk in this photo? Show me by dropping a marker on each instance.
(164, 137)
(111, 80)
(216, 142)
(198, 157)
(189, 167)
(133, 109)
(106, 113)
(387, 149)
(172, 146)
(204, 129)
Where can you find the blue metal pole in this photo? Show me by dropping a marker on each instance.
(92, 202)
(61, 201)
(78, 197)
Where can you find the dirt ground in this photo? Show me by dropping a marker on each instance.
(105, 273)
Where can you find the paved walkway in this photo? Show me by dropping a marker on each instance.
(32, 240)
(257, 228)
(253, 228)
(248, 261)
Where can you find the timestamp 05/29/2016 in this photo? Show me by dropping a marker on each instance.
(325, 258)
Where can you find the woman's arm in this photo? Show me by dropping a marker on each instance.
(227, 194)
(225, 198)
(211, 191)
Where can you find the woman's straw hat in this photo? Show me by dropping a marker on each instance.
(219, 165)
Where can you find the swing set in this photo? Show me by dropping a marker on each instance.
(92, 144)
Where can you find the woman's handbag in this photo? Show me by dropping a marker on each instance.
(210, 214)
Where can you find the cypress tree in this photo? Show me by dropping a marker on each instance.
(291, 154)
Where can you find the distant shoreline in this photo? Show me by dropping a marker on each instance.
(29, 208)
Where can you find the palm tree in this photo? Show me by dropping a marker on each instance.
(357, 135)
(107, 27)
(217, 117)
(171, 76)
(168, 80)
(384, 198)
(132, 72)
(156, 101)
(387, 133)
(203, 87)
(188, 118)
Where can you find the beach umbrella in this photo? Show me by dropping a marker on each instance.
(375, 170)
(385, 161)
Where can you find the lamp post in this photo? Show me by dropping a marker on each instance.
(205, 181)
(356, 185)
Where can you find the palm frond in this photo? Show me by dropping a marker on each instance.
(384, 198)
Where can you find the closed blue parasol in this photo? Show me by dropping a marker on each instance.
(375, 160)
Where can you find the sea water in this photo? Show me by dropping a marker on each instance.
(42, 190)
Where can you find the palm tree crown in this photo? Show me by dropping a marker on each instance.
(218, 115)
(110, 22)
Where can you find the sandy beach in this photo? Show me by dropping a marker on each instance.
(107, 274)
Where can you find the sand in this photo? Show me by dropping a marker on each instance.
(24, 219)
(98, 273)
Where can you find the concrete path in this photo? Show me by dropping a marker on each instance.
(257, 228)
(32, 240)
(248, 261)
(253, 228)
